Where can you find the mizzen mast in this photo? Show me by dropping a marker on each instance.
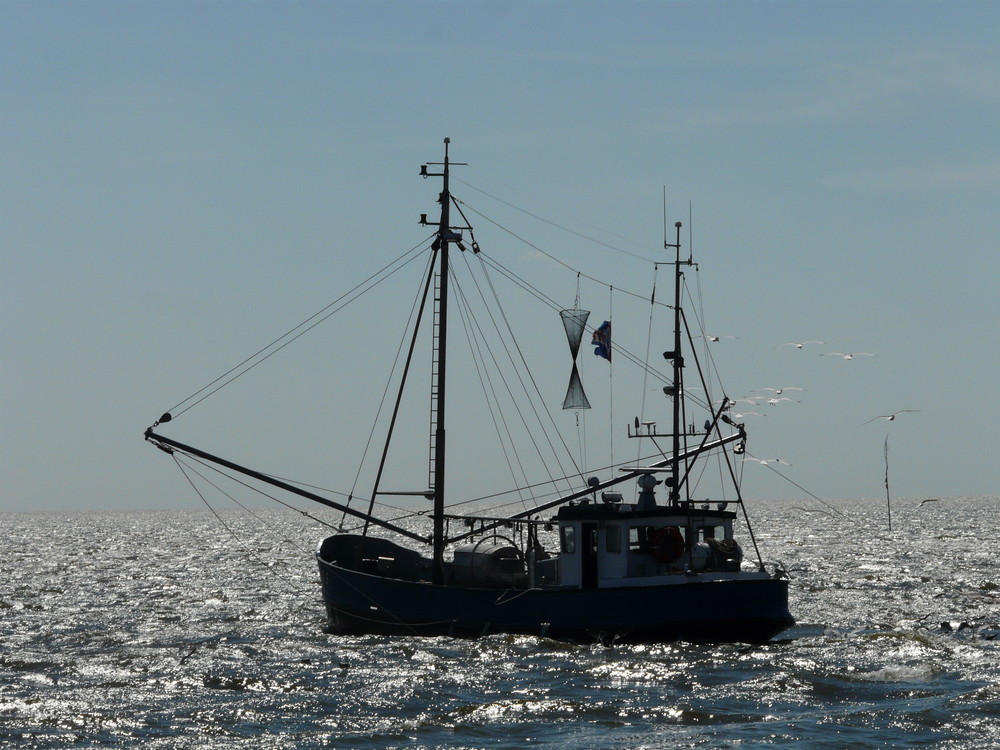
(678, 363)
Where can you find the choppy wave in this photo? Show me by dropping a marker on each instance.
(161, 629)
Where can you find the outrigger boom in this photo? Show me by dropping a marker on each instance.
(169, 444)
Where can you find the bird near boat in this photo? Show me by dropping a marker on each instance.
(776, 401)
(799, 344)
(779, 391)
(847, 355)
(767, 461)
(930, 500)
(890, 417)
(717, 338)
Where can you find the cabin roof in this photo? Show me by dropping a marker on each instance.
(611, 512)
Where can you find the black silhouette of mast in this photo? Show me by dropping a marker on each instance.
(445, 237)
(678, 364)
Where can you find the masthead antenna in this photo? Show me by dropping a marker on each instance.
(664, 216)
(690, 231)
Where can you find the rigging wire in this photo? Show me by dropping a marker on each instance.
(544, 483)
(246, 547)
(531, 378)
(245, 484)
(649, 342)
(485, 262)
(306, 485)
(611, 376)
(274, 345)
(552, 257)
(385, 391)
(699, 312)
(820, 500)
(507, 341)
(737, 476)
(545, 299)
(581, 444)
(405, 513)
(699, 320)
(698, 305)
(490, 394)
(700, 316)
(554, 493)
(248, 486)
(557, 226)
(250, 552)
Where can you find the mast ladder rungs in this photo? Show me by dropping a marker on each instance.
(435, 359)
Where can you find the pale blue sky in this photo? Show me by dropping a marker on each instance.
(183, 181)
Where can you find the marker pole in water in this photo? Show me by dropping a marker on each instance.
(888, 506)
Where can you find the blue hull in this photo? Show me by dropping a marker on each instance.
(748, 610)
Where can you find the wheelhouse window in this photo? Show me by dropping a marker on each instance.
(711, 532)
(638, 538)
(613, 539)
(641, 539)
(567, 535)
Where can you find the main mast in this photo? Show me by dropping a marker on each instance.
(445, 236)
(442, 361)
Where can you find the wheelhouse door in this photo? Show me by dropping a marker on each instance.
(589, 556)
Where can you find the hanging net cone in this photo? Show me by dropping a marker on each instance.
(575, 321)
(575, 396)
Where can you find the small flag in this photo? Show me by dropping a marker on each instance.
(602, 340)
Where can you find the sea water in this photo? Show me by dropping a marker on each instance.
(181, 630)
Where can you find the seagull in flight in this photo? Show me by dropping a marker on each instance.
(779, 391)
(800, 344)
(891, 417)
(748, 414)
(716, 338)
(766, 461)
(847, 355)
(775, 401)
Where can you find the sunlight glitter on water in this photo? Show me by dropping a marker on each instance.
(897, 646)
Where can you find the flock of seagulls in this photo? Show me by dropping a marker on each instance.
(758, 397)
(755, 400)
(842, 355)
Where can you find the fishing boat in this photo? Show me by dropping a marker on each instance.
(630, 557)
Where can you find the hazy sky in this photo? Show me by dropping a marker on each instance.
(184, 181)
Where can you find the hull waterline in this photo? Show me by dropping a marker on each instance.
(732, 610)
